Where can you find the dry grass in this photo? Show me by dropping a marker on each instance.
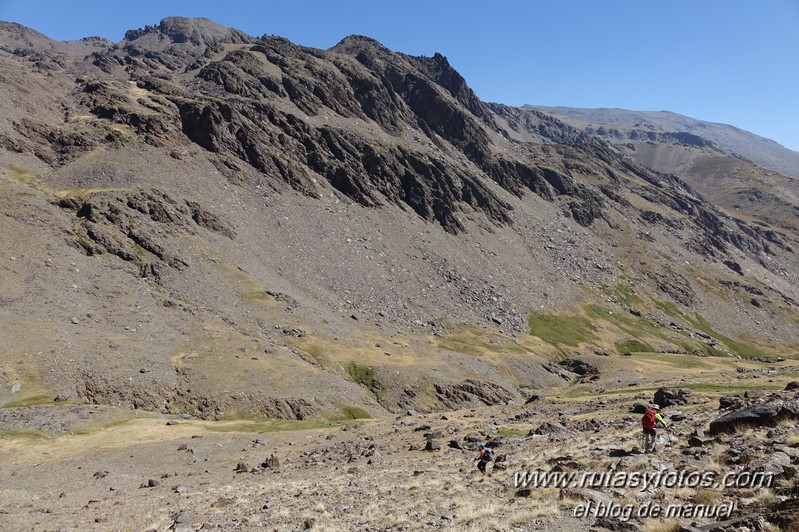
(21, 434)
(767, 496)
(706, 497)
(526, 516)
(662, 526)
(83, 193)
(471, 512)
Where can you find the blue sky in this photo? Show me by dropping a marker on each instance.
(729, 61)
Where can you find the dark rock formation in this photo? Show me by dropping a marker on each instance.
(666, 397)
(765, 414)
(457, 395)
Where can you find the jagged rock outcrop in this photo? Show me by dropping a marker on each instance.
(470, 392)
(127, 225)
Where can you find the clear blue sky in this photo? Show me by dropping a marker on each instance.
(729, 61)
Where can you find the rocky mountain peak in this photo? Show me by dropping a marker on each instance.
(355, 44)
(195, 31)
(174, 43)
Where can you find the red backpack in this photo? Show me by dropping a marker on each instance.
(648, 421)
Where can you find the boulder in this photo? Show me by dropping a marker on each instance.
(549, 428)
(532, 398)
(666, 397)
(784, 513)
(774, 463)
(698, 439)
(589, 425)
(726, 402)
(585, 370)
(432, 445)
(271, 463)
(763, 414)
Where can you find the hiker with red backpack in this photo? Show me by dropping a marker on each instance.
(650, 422)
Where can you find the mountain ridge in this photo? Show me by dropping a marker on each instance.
(761, 150)
(259, 214)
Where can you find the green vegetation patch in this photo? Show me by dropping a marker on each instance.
(563, 330)
(354, 412)
(22, 175)
(29, 401)
(26, 177)
(27, 434)
(363, 375)
(623, 294)
(743, 349)
(677, 360)
(633, 346)
(641, 328)
(510, 432)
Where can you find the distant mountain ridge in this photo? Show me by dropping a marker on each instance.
(760, 150)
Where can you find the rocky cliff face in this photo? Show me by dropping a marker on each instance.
(355, 220)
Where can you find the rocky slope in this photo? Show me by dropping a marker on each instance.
(199, 221)
(735, 170)
(100, 469)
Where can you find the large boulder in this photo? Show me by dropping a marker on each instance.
(585, 370)
(757, 415)
(666, 397)
(765, 414)
(549, 429)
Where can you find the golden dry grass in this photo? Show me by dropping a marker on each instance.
(662, 526)
(706, 496)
